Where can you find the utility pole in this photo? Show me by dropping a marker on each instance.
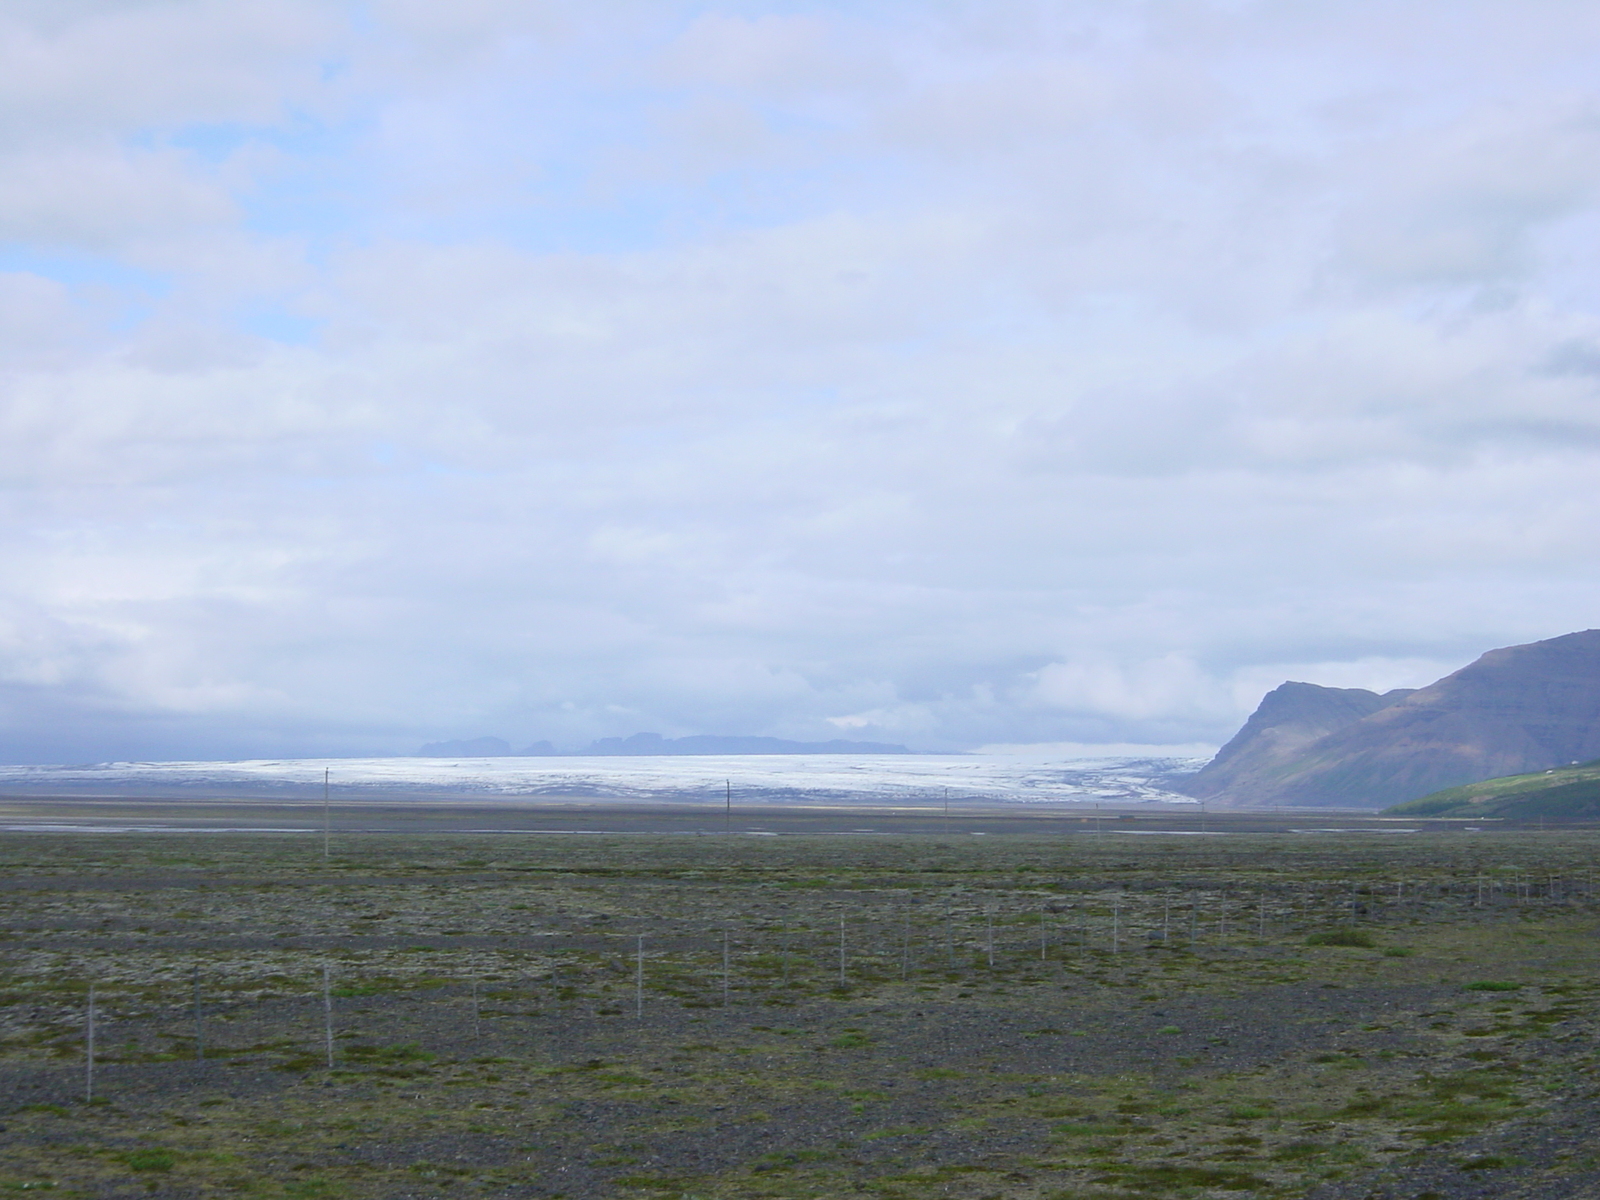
(325, 813)
(727, 819)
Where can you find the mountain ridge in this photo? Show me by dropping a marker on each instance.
(1289, 718)
(1514, 710)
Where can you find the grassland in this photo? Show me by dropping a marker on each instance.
(1564, 794)
(1077, 1018)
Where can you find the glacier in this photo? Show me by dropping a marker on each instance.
(921, 780)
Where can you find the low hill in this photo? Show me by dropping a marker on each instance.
(1563, 792)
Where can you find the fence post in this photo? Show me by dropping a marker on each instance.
(327, 1011)
(841, 953)
(88, 1039)
(199, 1022)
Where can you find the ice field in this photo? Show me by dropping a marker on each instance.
(886, 779)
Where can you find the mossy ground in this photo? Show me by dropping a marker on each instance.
(1070, 1018)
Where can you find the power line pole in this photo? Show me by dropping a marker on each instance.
(727, 818)
(325, 814)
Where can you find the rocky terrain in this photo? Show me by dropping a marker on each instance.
(1311, 1015)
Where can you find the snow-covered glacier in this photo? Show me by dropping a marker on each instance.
(752, 779)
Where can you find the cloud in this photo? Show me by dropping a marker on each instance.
(1162, 687)
(1032, 374)
(104, 198)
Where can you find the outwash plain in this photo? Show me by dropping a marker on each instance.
(872, 1004)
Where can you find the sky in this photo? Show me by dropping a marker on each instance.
(949, 374)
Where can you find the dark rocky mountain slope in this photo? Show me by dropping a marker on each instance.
(1290, 718)
(1515, 710)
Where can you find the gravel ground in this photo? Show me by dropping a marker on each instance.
(1018, 1018)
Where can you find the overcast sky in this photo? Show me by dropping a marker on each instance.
(940, 373)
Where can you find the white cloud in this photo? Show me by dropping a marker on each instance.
(104, 198)
(1044, 373)
(1170, 686)
(129, 63)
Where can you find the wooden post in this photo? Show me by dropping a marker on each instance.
(327, 1012)
(199, 1022)
(325, 816)
(638, 981)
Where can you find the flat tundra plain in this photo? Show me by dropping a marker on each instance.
(1048, 1015)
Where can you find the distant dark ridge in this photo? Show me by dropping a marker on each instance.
(484, 747)
(654, 743)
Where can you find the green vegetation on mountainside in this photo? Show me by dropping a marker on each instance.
(1566, 792)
